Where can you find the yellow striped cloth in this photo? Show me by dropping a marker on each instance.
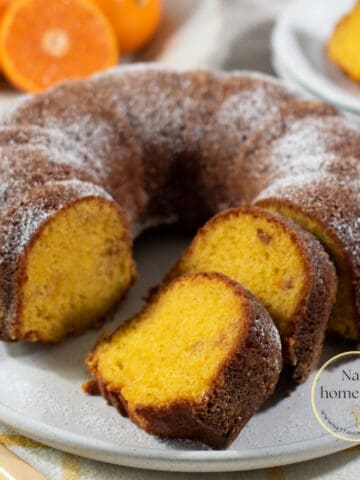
(56, 465)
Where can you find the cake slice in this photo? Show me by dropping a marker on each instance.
(196, 363)
(66, 261)
(285, 267)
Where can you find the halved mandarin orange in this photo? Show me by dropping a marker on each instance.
(4, 4)
(44, 42)
(135, 21)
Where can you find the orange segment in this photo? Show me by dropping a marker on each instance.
(44, 42)
(135, 21)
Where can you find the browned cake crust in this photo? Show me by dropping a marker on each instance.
(176, 147)
(304, 341)
(246, 379)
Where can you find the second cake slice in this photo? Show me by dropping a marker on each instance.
(285, 267)
(196, 363)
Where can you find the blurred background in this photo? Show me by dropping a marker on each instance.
(312, 45)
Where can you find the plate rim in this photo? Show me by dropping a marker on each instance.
(285, 76)
(175, 461)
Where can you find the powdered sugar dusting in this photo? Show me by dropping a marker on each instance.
(38, 211)
(300, 168)
(157, 122)
(30, 220)
(250, 106)
(302, 150)
(12, 106)
(279, 186)
(138, 67)
(63, 149)
(83, 140)
(82, 143)
(144, 117)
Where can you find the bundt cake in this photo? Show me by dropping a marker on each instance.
(285, 267)
(343, 45)
(150, 146)
(197, 362)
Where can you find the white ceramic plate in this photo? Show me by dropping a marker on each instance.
(299, 41)
(41, 397)
(283, 73)
(189, 37)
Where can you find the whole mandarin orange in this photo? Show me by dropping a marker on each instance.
(134, 21)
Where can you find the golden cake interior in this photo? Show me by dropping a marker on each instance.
(256, 251)
(343, 319)
(79, 264)
(174, 348)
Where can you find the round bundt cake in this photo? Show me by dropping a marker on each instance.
(87, 166)
(197, 362)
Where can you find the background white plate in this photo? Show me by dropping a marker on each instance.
(299, 42)
(41, 396)
(189, 37)
(283, 73)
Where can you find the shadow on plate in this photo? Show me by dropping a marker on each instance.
(286, 386)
